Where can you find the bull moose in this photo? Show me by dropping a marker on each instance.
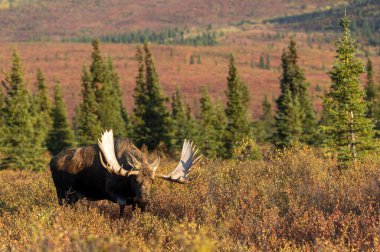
(125, 178)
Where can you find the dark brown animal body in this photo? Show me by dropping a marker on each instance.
(78, 173)
(125, 178)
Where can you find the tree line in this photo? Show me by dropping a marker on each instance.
(32, 125)
(167, 36)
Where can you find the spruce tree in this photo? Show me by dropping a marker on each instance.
(236, 110)
(2, 121)
(207, 134)
(61, 135)
(22, 149)
(97, 69)
(264, 127)
(153, 122)
(348, 131)
(300, 86)
(87, 122)
(180, 120)
(288, 120)
(110, 102)
(299, 102)
(157, 117)
(108, 94)
(192, 123)
(42, 109)
(127, 123)
(372, 98)
(220, 125)
(262, 62)
(141, 101)
(370, 91)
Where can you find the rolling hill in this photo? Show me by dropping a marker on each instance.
(49, 20)
(240, 22)
(365, 15)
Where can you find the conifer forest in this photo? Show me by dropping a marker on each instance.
(264, 114)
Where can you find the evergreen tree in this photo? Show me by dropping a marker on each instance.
(370, 91)
(372, 98)
(207, 138)
(220, 125)
(22, 149)
(294, 85)
(261, 62)
(192, 123)
(299, 89)
(127, 123)
(87, 122)
(141, 101)
(348, 131)
(154, 124)
(264, 127)
(3, 127)
(180, 120)
(97, 69)
(192, 60)
(288, 120)
(110, 102)
(108, 94)
(236, 110)
(42, 109)
(61, 135)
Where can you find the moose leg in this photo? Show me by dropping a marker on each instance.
(60, 196)
(122, 203)
(118, 199)
(121, 210)
(71, 197)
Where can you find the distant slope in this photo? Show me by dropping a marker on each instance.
(56, 19)
(10, 4)
(365, 15)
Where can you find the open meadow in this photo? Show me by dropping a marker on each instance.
(294, 200)
(273, 105)
(63, 62)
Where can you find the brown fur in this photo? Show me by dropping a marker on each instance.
(124, 145)
(75, 160)
(79, 173)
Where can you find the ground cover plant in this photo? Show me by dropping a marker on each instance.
(294, 200)
(290, 140)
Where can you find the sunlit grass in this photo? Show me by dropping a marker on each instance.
(297, 199)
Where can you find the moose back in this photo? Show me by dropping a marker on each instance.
(115, 170)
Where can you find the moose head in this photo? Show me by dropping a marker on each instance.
(142, 174)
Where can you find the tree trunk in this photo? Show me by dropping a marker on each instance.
(352, 144)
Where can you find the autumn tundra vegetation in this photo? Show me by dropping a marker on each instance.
(290, 180)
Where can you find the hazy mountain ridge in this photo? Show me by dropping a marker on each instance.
(365, 15)
(54, 20)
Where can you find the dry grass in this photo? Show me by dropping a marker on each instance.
(295, 200)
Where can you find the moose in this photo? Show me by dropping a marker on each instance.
(114, 170)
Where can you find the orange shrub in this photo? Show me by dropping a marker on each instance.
(295, 200)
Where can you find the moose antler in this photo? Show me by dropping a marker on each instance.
(106, 145)
(188, 159)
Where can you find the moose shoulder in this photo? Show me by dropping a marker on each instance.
(114, 170)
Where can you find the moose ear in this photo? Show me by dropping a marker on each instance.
(154, 164)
